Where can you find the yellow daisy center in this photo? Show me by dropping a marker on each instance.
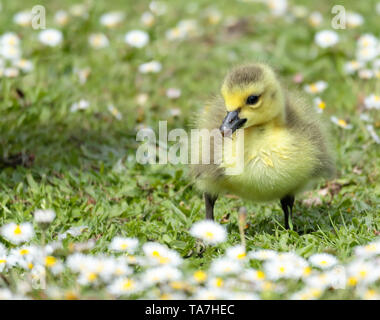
(92, 276)
(313, 88)
(241, 255)
(352, 281)
(219, 282)
(50, 261)
(322, 105)
(128, 284)
(209, 234)
(342, 122)
(200, 276)
(155, 253)
(17, 230)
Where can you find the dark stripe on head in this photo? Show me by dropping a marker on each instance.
(243, 76)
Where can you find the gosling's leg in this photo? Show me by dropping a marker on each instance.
(210, 202)
(287, 206)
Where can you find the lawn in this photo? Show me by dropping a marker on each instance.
(81, 162)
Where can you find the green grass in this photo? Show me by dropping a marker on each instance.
(83, 164)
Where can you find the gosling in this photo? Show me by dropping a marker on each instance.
(286, 145)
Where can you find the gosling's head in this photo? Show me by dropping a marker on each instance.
(252, 96)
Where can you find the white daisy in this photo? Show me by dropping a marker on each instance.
(23, 18)
(365, 117)
(44, 216)
(124, 244)
(213, 16)
(354, 19)
(252, 275)
(147, 19)
(10, 52)
(142, 99)
(277, 7)
(236, 253)
(263, 254)
(323, 260)
(61, 17)
(326, 38)
(189, 26)
(158, 7)
(11, 72)
(299, 11)
(367, 53)
(315, 19)
(279, 269)
(367, 40)
(224, 266)
(372, 101)
(341, 122)
(78, 262)
(50, 37)
(150, 67)
(25, 257)
(88, 278)
(10, 39)
(17, 233)
(137, 38)
(366, 74)
(53, 264)
(376, 64)
(98, 40)
(160, 254)
(351, 67)
(73, 231)
(175, 112)
(121, 267)
(369, 250)
(173, 93)
(175, 34)
(362, 272)
(319, 104)
(24, 65)
(83, 74)
(161, 274)
(319, 280)
(209, 231)
(79, 10)
(372, 132)
(81, 105)
(124, 286)
(114, 111)
(368, 294)
(112, 19)
(316, 87)
(308, 293)
(5, 294)
(209, 294)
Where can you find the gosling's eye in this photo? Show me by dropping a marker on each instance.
(252, 99)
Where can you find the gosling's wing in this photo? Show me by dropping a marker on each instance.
(304, 121)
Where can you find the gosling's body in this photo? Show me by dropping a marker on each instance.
(285, 151)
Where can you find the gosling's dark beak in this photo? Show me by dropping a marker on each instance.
(231, 123)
